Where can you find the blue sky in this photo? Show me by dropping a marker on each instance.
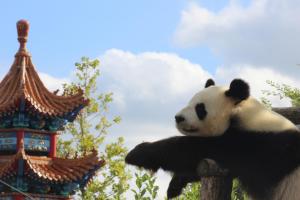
(156, 54)
(63, 31)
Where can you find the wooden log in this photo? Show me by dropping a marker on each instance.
(216, 184)
(216, 188)
(292, 113)
(208, 167)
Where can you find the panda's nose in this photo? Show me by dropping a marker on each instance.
(179, 118)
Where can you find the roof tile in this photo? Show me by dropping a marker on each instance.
(52, 169)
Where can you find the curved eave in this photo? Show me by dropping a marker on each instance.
(61, 170)
(23, 83)
(55, 170)
(8, 164)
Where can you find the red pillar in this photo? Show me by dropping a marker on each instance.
(53, 145)
(19, 197)
(20, 137)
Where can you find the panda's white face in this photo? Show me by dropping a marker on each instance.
(207, 114)
(210, 111)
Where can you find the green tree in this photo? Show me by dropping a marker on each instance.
(88, 133)
(237, 191)
(284, 91)
(145, 184)
(191, 192)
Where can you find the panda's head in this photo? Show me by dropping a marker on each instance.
(209, 112)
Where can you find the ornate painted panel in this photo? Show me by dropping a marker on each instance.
(8, 141)
(36, 142)
(7, 198)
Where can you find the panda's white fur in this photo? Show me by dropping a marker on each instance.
(252, 115)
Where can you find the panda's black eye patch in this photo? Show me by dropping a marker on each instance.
(200, 110)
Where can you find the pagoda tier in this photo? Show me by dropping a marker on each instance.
(24, 96)
(44, 175)
(30, 117)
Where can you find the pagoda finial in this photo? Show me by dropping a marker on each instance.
(23, 29)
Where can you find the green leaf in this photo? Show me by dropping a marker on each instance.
(89, 132)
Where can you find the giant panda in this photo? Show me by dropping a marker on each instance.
(258, 146)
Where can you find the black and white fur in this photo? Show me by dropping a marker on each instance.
(258, 146)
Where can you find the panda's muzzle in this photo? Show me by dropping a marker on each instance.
(181, 126)
(179, 119)
(190, 130)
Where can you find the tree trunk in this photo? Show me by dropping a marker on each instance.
(215, 183)
(216, 188)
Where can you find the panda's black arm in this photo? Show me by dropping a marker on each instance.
(180, 154)
(263, 158)
(236, 151)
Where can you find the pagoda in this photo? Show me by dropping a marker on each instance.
(30, 118)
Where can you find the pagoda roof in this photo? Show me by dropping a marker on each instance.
(22, 83)
(55, 170)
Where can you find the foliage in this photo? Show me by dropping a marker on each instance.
(266, 102)
(237, 191)
(146, 188)
(88, 132)
(284, 91)
(190, 192)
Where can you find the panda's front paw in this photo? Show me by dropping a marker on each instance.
(143, 155)
(175, 186)
(180, 181)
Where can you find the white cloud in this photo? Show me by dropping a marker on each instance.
(265, 33)
(53, 83)
(149, 85)
(257, 80)
(149, 73)
(149, 88)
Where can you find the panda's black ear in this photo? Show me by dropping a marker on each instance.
(209, 82)
(238, 90)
